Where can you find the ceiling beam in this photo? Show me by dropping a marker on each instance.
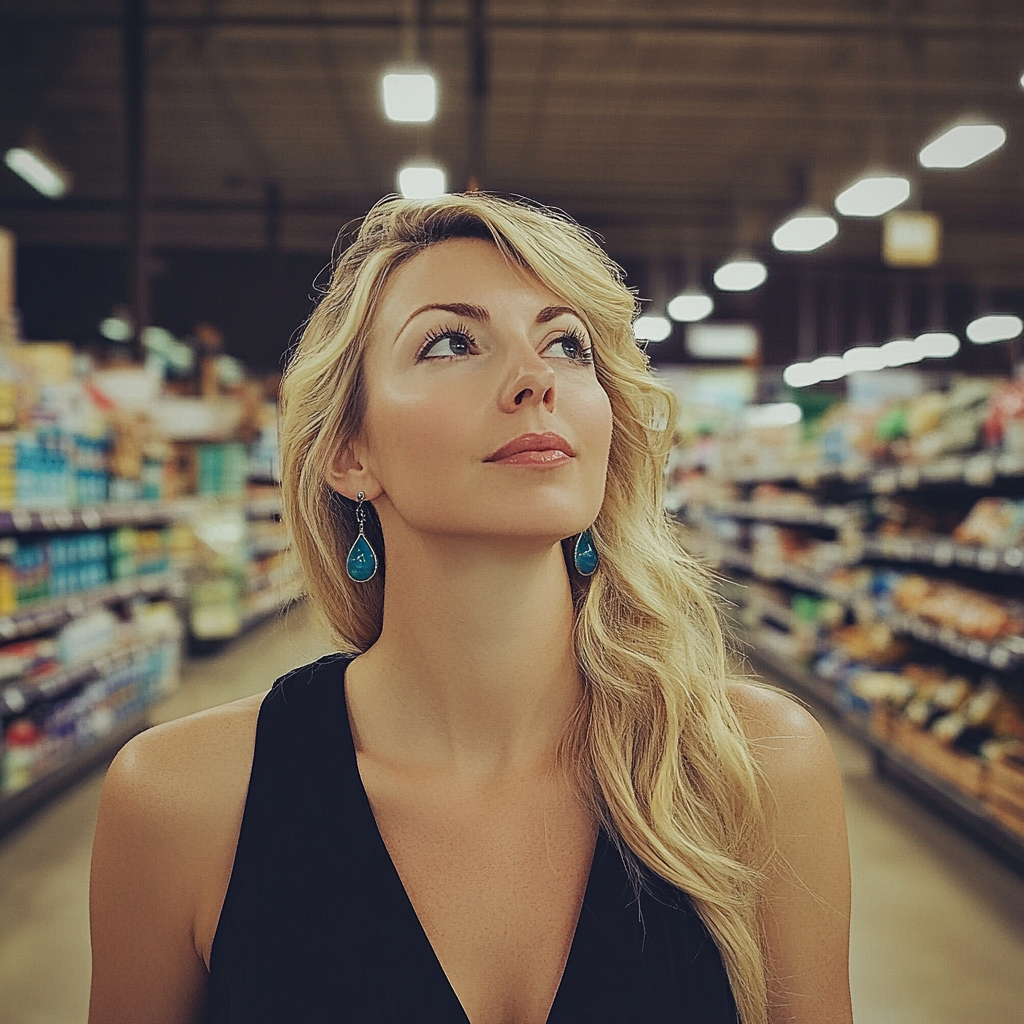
(825, 25)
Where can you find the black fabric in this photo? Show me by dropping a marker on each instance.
(317, 928)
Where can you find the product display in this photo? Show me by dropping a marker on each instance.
(873, 558)
(128, 523)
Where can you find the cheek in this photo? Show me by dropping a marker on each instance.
(415, 435)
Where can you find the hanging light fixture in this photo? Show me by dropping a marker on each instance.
(690, 305)
(421, 181)
(410, 95)
(741, 273)
(39, 170)
(962, 145)
(805, 231)
(873, 195)
(984, 330)
(651, 327)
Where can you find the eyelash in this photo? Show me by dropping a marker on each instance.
(461, 331)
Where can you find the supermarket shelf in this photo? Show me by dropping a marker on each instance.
(270, 546)
(15, 697)
(942, 552)
(51, 614)
(89, 517)
(269, 603)
(1003, 655)
(264, 508)
(978, 470)
(16, 807)
(891, 762)
(836, 517)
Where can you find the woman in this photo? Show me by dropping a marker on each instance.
(525, 790)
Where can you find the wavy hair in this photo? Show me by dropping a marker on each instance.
(655, 747)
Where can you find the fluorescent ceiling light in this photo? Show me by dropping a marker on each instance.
(42, 173)
(901, 352)
(937, 344)
(962, 145)
(829, 367)
(994, 327)
(651, 328)
(805, 232)
(873, 196)
(421, 182)
(741, 275)
(800, 375)
(775, 414)
(866, 358)
(410, 97)
(690, 306)
(722, 341)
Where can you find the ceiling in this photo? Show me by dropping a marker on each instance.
(672, 128)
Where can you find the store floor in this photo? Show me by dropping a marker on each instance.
(938, 925)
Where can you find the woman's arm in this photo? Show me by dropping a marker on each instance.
(145, 967)
(807, 904)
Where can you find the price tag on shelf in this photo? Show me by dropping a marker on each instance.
(942, 553)
(885, 481)
(1013, 557)
(988, 559)
(22, 519)
(909, 478)
(14, 699)
(91, 519)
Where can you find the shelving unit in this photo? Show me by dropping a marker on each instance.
(832, 507)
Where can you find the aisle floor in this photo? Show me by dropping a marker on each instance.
(938, 925)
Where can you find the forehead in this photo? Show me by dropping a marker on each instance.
(459, 270)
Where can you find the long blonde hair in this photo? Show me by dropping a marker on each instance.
(655, 747)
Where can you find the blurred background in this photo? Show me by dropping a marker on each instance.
(821, 208)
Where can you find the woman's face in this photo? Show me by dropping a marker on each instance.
(466, 354)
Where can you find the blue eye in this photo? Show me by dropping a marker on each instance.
(574, 347)
(458, 342)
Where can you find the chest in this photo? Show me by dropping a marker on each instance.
(496, 876)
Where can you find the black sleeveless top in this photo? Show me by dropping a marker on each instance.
(316, 927)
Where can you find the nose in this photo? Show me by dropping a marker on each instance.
(531, 381)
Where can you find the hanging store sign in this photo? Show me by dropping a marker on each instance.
(911, 238)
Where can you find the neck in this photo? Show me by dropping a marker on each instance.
(474, 669)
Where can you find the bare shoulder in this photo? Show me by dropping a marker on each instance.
(168, 824)
(206, 742)
(791, 749)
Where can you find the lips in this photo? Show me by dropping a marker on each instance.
(532, 443)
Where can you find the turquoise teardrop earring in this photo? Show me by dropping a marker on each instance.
(585, 554)
(361, 564)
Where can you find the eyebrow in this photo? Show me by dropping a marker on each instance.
(471, 312)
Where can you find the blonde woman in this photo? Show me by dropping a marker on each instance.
(525, 789)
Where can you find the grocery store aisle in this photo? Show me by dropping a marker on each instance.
(938, 929)
(44, 865)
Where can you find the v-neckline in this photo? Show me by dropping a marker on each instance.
(393, 873)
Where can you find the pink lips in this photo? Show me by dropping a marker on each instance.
(534, 450)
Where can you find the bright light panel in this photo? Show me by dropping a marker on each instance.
(421, 182)
(651, 328)
(800, 375)
(722, 341)
(901, 352)
(411, 98)
(937, 344)
(690, 306)
(866, 358)
(829, 367)
(962, 145)
(741, 275)
(805, 233)
(873, 196)
(994, 327)
(42, 174)
(775, 414)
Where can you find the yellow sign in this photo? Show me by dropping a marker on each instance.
(911, 238)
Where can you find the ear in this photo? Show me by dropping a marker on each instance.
(348, 474)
